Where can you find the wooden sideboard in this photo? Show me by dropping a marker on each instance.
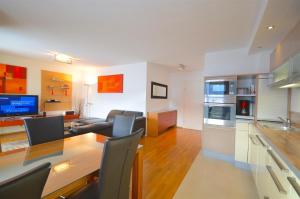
(158, 122)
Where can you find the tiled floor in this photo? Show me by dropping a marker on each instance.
(215, 179)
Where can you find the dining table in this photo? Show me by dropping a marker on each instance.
(75, 161)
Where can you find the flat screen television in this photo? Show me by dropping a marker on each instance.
(15, 105)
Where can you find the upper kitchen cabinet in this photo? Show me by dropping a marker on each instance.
(285, 61)
(296, 67)
(288, 74)
(281, 75)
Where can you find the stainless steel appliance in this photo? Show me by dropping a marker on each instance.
(220, 101)
(220, 114)
(220, 90)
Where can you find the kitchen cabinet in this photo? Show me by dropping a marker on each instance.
(253, 152)
(296, 66)
(241, 141)
(294, 187)
(272, 176)
(287, 73)
(282, 73)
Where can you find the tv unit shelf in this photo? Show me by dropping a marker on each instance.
(19, 122)
(12, 129)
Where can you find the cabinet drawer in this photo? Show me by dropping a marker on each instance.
(294, 192)
(273, 187)
(242, 126)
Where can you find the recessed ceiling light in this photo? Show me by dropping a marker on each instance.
(270, 27)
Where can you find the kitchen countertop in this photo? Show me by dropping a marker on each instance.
(286, 144)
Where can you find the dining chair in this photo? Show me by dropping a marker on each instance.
(45, 129)
(115, 170)
(28, 185)
(123, 125)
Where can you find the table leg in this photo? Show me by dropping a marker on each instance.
(137, 175)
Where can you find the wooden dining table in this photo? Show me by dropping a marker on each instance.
(75, 161)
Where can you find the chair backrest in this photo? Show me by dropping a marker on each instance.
(28, 185)
(136, 113)
(41, 130)
(111, 115)
(123, 125)
(117, 161)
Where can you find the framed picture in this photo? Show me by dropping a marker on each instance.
(159, 91)
(110, 83)
(13, 79)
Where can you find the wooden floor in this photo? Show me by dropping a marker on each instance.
(167, 158)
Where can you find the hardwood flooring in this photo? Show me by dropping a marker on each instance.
(167, 159)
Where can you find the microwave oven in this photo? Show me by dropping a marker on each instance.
(221, 90)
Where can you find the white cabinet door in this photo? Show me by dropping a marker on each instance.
(272, 186)
(241, 146)
(241, 141)
(271, 102)
(294, 191)
(253, 156)
(261, 168)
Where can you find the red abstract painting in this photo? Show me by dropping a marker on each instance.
(13, 79)
(110, 84)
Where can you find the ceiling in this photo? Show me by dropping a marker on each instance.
(113, 32)
(283, 15)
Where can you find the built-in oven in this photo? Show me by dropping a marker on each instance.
(220, 114)
(222, 90)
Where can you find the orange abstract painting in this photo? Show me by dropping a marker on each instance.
(13, 79)
(110, 84)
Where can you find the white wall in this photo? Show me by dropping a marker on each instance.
(34, 68)
(234, 62)
(160, 74)
(186, 95)
(134, 90)
(295, 100)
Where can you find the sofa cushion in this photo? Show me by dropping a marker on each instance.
(96, 128)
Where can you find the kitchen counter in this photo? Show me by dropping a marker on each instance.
(286, 144)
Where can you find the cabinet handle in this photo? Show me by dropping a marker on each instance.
(260, 140)
(275, 180)
(294, 184)
(277, 161)
(252, 140)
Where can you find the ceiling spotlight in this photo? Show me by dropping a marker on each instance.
(60, 57)
(270, 27)
(63, 58)
(181, 67)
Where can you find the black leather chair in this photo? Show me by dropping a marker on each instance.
(115, 172)
(28, 185)
(46, 129)
(123, 125)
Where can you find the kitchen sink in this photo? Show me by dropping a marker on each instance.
(280, 127)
